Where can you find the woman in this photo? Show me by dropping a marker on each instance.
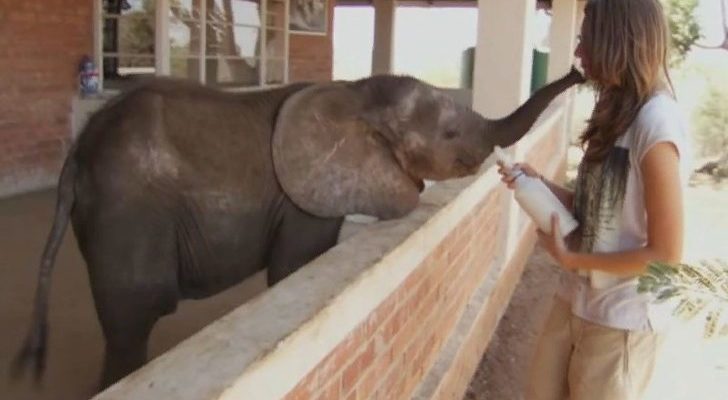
(601, 337)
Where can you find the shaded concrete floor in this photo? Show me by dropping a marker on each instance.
(75, 341)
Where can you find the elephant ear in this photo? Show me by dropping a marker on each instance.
(331, 161)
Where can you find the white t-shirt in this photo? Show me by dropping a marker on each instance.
(610, 206)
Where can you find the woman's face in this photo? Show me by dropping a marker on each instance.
(581, 50)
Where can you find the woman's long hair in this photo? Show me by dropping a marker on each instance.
(626, 42)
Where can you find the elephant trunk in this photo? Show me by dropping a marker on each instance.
(510, 129)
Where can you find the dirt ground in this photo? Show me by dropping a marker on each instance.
(501, 374)
(690, 367)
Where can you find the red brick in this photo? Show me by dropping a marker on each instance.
(382, 313)
(300, 392)
(367, 357)
(371, 378)
(40, 46)
(353, 373)
(388, 385)
(331, 392)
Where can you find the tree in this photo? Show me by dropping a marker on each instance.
(221, 50)
(132, 33)
(684, 28)
(137, 34)
(712, 121)
(711, 124)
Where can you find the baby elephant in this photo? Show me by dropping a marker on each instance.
(179, 191)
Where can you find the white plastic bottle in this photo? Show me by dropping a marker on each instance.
(536, 199)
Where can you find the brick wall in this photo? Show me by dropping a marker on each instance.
(454, 382)
(41, 42)
(311, 56)
(389, 353)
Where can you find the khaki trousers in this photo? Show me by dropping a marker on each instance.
(579, 360)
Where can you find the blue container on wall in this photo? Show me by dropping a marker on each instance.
(88, 77)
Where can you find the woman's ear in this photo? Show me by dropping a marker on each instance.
(331, 158)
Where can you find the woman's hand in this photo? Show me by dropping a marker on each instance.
(508, 175)
(555, 245)
(664, 209)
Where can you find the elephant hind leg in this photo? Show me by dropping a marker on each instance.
(132, 262)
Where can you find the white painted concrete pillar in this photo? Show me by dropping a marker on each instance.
(503, 56)
(98, 41)
(565, 26)
(383, 51)
(161, 38)
(564, 29)
(502, 77)
(581, 4)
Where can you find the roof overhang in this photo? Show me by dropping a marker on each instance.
(431, 3)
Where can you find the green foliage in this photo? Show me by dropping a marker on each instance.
(698, 289)
(711, 120)
(684, 28)
(136, 34)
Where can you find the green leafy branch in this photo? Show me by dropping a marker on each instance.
(684, 28)
(697, 288)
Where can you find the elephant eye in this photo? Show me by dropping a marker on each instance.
(451, 134)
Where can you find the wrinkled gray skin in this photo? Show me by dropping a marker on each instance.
(177, 191)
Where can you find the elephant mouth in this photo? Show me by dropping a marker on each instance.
(418, 182)
(466, 167)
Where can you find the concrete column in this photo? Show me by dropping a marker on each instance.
(564, 29)
(502, 78)
(161, 38)
(580, 5)
(565, 25)
(98, 41)
(383, 52)
(503, 56)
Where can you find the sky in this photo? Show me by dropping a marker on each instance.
(429, 42)
(708, 15)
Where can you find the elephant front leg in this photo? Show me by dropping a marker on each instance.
(124, 355)
(300, 238)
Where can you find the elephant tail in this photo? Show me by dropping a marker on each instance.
(33, 353)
